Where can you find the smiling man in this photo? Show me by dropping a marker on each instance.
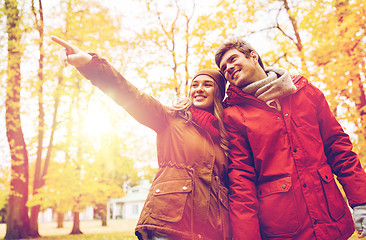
(286, 148)
(242, 69)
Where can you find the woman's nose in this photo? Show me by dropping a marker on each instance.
(200, 88)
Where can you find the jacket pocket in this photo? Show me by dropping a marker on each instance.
(277, 209)
(169, 199)
(333, 196)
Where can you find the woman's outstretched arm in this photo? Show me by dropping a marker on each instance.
(143, 107)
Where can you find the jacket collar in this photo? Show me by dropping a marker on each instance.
(236, 96)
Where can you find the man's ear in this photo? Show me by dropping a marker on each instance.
(254, 56)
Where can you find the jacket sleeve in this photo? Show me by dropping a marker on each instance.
(242, 176)
(144, 108)
(344, 162)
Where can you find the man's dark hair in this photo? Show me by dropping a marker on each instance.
(238, 44)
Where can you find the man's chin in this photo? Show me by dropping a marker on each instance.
(238, 84)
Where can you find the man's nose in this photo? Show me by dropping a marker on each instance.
(229, 68)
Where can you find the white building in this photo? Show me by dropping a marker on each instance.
(49, 215)
(130, 206)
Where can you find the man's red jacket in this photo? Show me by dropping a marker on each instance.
(282, 167)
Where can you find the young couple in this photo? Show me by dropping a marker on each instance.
(270, 156)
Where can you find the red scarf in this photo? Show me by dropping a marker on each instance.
(207, 121)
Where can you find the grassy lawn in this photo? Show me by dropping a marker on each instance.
(116, 230)
(99, 236)
(92, 230)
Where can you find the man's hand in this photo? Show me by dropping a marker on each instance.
(71, 54)
(359, 216)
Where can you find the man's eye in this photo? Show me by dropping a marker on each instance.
(231, 60)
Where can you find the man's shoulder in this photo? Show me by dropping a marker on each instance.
(299, 81)
(231, 113)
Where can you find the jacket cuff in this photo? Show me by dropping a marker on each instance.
(91, 69)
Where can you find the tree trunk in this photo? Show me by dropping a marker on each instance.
(37, 183)
(60, 220)
(17, 220)
(103, 214)
(76, 225)
(33, 222)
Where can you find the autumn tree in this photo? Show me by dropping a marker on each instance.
(17, 220)
(38, 176)
(92, 16)
(4, 192)
(109, 171)
(317, 39)
(168, 45)
(339, 61)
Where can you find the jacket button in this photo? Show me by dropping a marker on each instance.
(184, 188)
(304, 185)
(283, 186)
(295, 149)
(286, 115)
(315, 222)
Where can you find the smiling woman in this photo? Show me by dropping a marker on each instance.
(202, 92)
(191, 149)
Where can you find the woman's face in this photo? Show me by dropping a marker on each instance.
(202, 92)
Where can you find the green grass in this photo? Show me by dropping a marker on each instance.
(111, 236)
(92, 230)
(99, 236)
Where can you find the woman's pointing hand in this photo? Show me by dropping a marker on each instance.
(70, 54)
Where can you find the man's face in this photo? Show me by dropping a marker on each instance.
(240, 70)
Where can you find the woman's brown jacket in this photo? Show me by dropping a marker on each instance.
(188, 197)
